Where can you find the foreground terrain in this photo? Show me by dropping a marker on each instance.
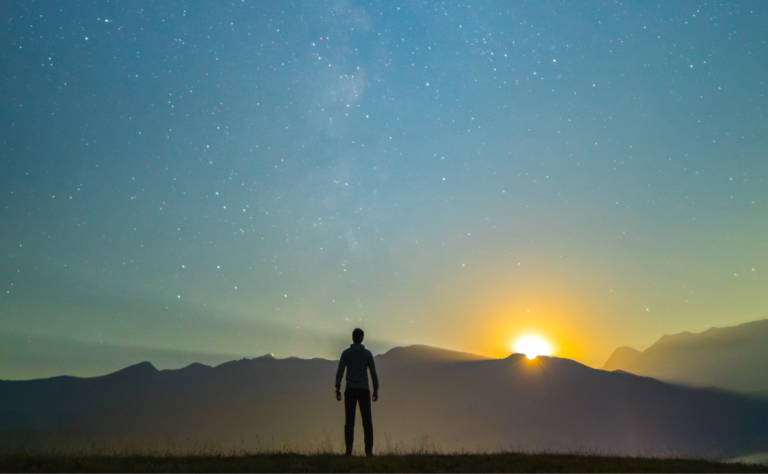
(507, 462)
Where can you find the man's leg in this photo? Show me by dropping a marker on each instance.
(350, 402)
(365, 414)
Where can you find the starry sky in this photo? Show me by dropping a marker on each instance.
(190, 181)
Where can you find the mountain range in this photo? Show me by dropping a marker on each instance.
(452, 399)
(731, 358)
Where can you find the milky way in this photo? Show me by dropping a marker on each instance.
(185, 181)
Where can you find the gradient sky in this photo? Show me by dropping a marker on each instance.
(201, 181)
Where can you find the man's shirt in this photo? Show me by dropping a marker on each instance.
(357, 360)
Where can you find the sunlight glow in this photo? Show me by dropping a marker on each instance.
(533, 346)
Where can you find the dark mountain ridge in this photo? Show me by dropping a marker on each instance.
(731, 358)
(457, 399)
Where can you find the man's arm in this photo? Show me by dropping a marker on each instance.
(340, 374)
(374, 378)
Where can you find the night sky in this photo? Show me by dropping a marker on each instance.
(190, 181)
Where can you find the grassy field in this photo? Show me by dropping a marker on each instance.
(289, 462)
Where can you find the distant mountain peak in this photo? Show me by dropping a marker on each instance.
(731, 358)
(677, 338)
(137, 370)
(622, 357)
(741, 331)
(246, 362)
(140, 367)
(429, 354)
(196, 367)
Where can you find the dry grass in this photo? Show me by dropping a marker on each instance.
(324, 454)
(295, 462)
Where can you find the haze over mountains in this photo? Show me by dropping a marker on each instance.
(732, 358)
(456, 399)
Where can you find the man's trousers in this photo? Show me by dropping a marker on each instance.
(353, 396)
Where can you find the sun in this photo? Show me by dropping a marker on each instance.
(533, 346)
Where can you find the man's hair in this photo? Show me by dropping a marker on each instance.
(357, 336)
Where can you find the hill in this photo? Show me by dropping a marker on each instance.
(731, 358)
(456, 400)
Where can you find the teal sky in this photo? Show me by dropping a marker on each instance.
(187, 182)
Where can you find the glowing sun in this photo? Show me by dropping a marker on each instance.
(533, 346)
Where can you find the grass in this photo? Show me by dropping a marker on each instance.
(65, 453)
(294, 462)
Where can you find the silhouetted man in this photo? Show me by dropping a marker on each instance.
(357, 360)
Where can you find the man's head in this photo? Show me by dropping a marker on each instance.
(357, 336)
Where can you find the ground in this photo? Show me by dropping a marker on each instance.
(289, 462)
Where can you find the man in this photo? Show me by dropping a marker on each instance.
(357, 360)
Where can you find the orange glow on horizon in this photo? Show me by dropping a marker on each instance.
(489, 319)
(532, 347)
(551, 317)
